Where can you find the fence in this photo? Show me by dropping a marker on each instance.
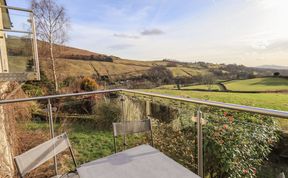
(201, 110)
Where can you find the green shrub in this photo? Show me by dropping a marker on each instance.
(236, 145)
(107, 112)
(68, 81)
(32, 90)
(39, 88)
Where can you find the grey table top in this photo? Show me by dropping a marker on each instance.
(140, 162)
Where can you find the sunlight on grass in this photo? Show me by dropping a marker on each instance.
(258, 84)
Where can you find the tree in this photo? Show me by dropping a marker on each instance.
(52, 24)
(159, 75)
(276, 74)
(209, 80)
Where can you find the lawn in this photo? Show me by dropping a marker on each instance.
(88, 143)
(275, 101)
(258, 84)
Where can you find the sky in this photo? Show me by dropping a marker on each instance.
(249, 32)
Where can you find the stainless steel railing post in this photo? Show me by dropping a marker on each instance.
(200, 143)
(52, 133)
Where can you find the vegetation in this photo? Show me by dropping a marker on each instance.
(265, 100)
(203, 87)
(258, 84)
(88, 84)
(159, 75)
(229, 142)
(229, 138)
(276, 101)
(191, 87)
(52, 24)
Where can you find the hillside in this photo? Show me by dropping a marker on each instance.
(78, 62)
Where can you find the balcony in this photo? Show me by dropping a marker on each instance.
(211, 139)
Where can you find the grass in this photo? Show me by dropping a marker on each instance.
(202, 87)
(191, 87)
(18, 64)
(88, 143)
(258, 84)
(186, 71)
(275, 101)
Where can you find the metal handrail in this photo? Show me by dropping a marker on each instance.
(57, 96)
(237, 107)
(269, 112)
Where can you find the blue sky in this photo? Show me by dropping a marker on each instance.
(250, 32)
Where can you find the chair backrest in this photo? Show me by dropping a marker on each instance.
(130, 127)
(38, 155)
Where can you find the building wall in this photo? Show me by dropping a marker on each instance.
(6, 161)
(10, 114)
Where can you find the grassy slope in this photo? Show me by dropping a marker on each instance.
(119, 68)
(188, 72)
(258, 84)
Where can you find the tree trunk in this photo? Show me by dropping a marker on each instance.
(53, 67)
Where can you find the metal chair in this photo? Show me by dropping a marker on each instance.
(38, 155)
(131, 127)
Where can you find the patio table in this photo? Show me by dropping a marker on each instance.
(139, 162)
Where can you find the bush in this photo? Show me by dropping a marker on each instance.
(68, 81)
(32, 90)
(107, 112)
(237, 147)
(234, 144)
(88, 84)
(39, 88)
(276, 74)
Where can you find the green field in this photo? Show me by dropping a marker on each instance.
(275, 101)
(258, 84)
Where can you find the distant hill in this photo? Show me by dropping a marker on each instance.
(78, 62)
(272, 67)
(74, 62)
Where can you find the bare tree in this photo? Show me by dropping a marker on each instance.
(209, 80)
(52, 24)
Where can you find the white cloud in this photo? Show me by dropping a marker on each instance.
(250, 32)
